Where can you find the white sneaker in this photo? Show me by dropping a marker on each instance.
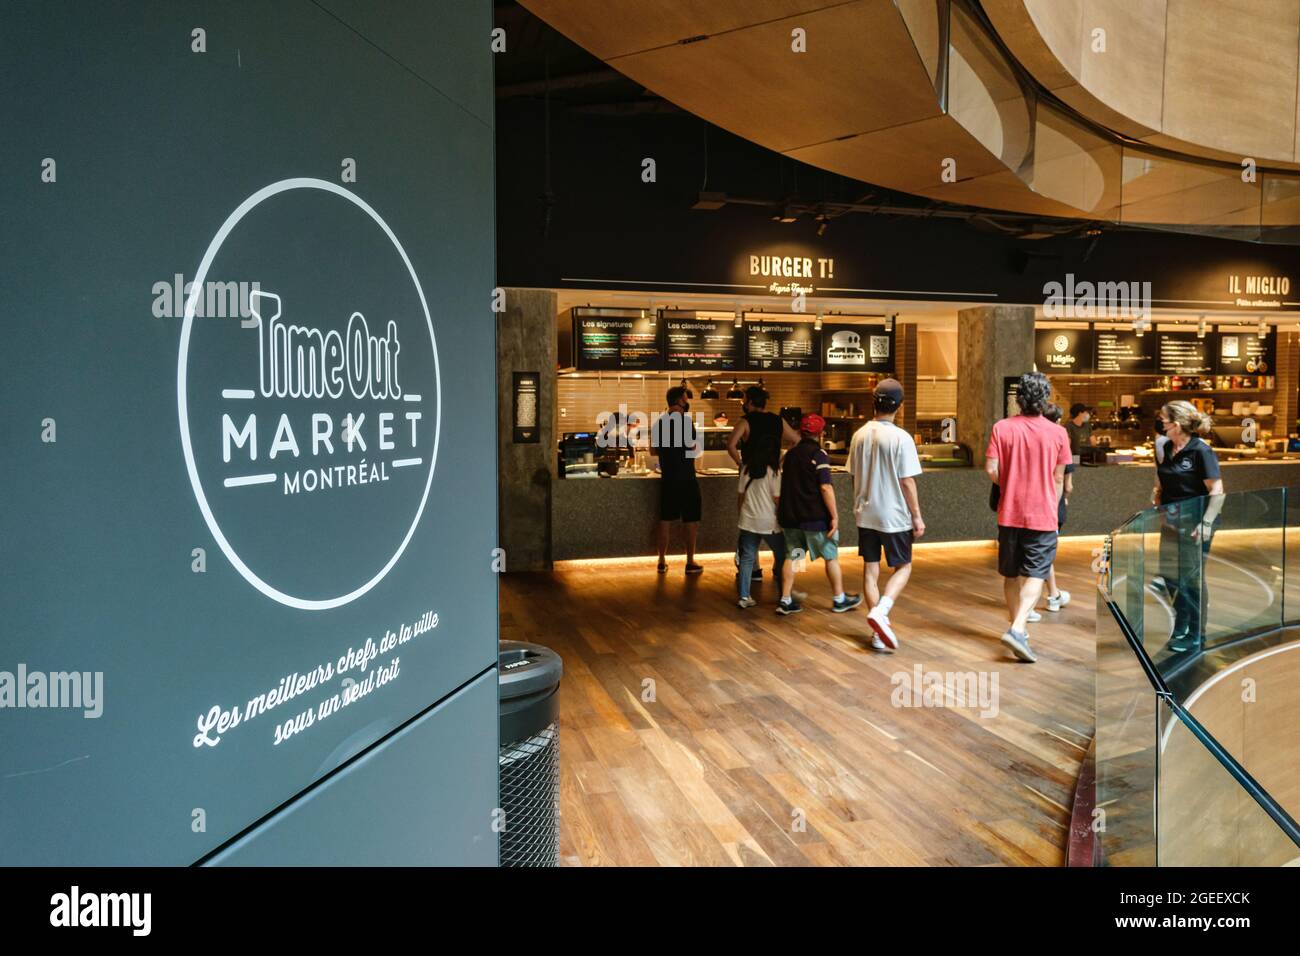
(745, 602)
(880, 624)
(1034, 617)
(1061, 600)
(877, 644)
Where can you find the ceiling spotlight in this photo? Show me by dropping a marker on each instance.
(1200, 328)
(709, 200)
(788, 213)
(889, 321)
(740, 319)
(817, 322)
(709, 391)
(734, 391)
(821, 228)
(1263, 327)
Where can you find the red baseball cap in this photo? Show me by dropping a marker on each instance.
(812, 424)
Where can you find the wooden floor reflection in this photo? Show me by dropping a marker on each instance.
(694, 733)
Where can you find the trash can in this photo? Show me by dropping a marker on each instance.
(528, 676)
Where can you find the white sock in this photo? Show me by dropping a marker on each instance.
(885, 604)
(840, 596)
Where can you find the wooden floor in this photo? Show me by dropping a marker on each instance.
(694, 733)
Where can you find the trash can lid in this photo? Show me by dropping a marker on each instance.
(524, 669)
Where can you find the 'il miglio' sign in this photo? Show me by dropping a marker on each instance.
(1063, 350)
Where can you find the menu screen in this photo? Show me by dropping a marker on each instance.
(1125, 352)
(616, 339)
(1245, 353)
(856, 348)
(782, 346)
(1063, 350)
(704, 343)
(525, 394)
(1182, 353)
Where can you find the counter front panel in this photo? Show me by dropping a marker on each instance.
(616, 517)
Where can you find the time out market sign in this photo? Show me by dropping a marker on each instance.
(310, 430)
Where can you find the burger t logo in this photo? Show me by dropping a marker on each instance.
(310, 430)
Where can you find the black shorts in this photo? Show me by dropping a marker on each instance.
(679, 498)
(1025, 553)
(897, 546)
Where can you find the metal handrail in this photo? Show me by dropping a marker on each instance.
(1285, 822)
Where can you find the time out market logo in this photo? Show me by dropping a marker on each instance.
(310, 430)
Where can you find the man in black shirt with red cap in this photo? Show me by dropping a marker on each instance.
(809, 518)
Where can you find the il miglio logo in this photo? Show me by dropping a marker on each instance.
(310, 430)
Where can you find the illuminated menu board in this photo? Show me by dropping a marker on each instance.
(1124, 352)
(1064, 350)
(776, 346)
(1245, 353)
(695, 342)
(616, 339)
(1182, 353)
(856, 348)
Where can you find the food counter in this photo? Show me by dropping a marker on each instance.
(615, 517)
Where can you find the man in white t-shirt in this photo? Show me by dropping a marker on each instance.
(884, 465)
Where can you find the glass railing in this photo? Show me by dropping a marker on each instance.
(1198, 684)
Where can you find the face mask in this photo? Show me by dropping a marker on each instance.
(686, 407)
(1160, 427)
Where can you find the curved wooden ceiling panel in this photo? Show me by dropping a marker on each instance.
(1216, 78)
(862, 101)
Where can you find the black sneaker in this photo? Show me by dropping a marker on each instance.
(757, 574)
(794, 607)
(847, 603)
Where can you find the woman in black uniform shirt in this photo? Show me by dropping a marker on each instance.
(1187, 471)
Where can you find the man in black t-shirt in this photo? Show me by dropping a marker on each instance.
(809, 517)
(755, 446)
(676, 443)
(1079, 428)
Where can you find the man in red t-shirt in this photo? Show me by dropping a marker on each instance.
(1026, 459)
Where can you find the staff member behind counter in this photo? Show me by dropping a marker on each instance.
(1079, 428)
(1189, 492)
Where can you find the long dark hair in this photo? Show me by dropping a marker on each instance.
(1033, 393)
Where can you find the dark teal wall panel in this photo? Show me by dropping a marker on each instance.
(156, 146)
(405, 803)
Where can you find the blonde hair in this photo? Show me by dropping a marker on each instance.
(1188, 417)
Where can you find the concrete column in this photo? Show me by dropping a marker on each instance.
(905, 339)
(994, 342)
(526, 343)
